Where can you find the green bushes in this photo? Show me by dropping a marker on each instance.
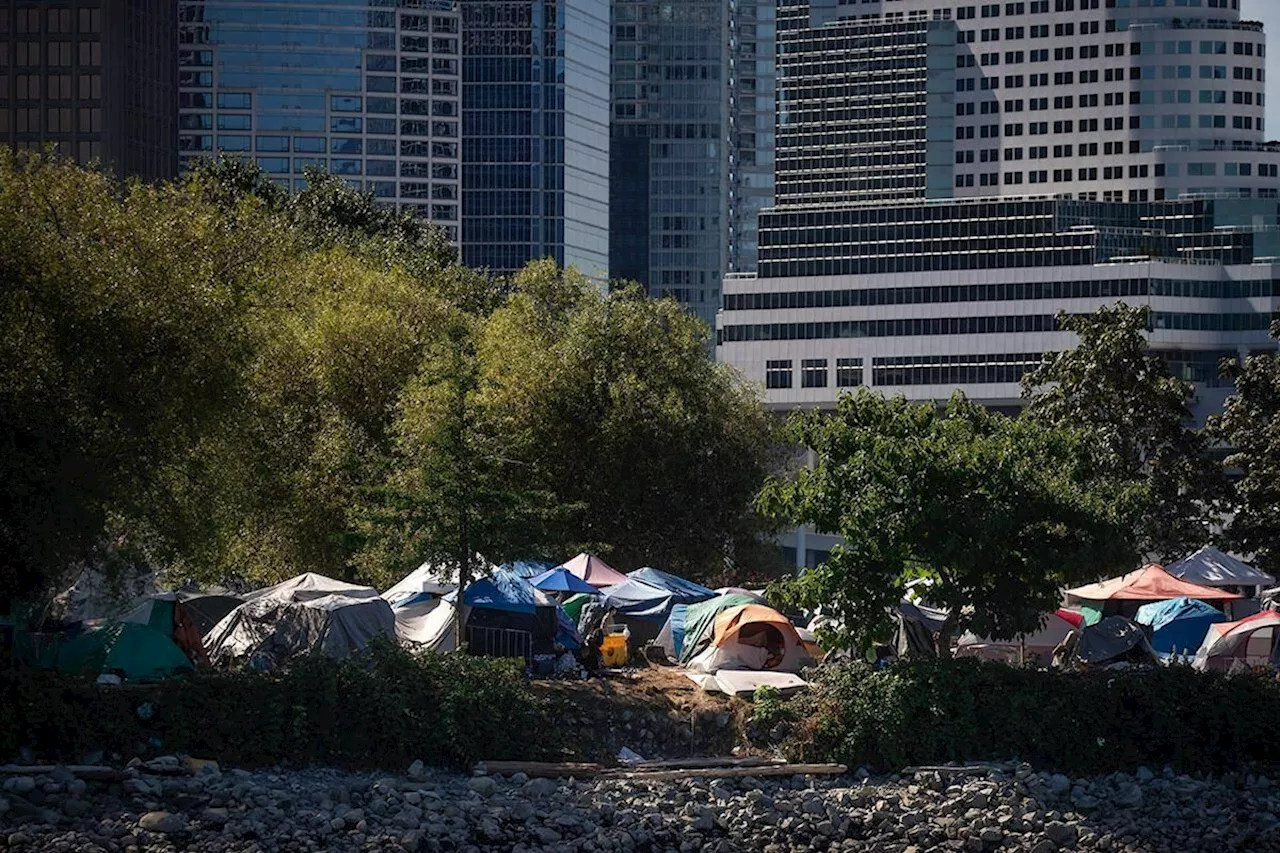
(382, 710)
(1094, 722)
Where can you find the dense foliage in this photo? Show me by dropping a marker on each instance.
(1138, 417)
(1000, 514)
(380, 711)
(1079, 723)
(1250, 426)
(227, 380)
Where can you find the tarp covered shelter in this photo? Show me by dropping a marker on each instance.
(132, 651)
(1035, 647)
(504, 616)
(527, 568)
(1123, 596)
(305, 615)
(595, 571)
(1211, 567)
(684, 591)
(1250, 641)
(751, 636)
(416, 597)
(429, 579)
(688, 629)
(918, 626)
(1178, 626)
(1115, 639)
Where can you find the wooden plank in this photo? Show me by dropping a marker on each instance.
(542, 769)
(694, 763)
(728, 772)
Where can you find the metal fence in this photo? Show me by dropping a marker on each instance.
(500, 642)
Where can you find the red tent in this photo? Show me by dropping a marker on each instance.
(1149, 583)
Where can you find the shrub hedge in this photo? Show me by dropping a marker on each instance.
(378, 711)
(1081, 723)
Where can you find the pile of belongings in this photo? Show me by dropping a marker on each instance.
(306, 615)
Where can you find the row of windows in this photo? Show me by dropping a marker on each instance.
(315, 145)
(814, 373)
(931, 326)
(1022, 290)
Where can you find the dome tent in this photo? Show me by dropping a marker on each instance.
(414, 598)
(688, 629)
(132, 651)
(753, 637)
(1178, 626)
(308, 614)
(1250, 641)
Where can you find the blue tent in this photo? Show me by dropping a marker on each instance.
(684, 592)
(1178, 625)
(506, 592)
(527, 568)
(639, 600)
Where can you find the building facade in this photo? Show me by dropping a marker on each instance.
(368, 90)
(952, 175)
(692, 132)
(95, 79)
(535, 114)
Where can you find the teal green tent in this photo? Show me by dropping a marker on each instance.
(688, 629)
(574, 604)
(134, 652)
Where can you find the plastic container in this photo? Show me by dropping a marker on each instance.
(615, 651)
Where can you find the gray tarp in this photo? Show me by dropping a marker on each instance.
(1114, 638)
(309, 614)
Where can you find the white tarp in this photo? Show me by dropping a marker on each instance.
(427, 579)
(309, 614)
(745, 682)
(1211, 567)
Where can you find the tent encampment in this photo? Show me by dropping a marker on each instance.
(688, 629)
(1123, 596)
(1179, 625)
(595, 571)
(132, 651)
(750, 636)
(1036, 647)
(308, 614)
(503, 616)
(1211, 567)
(1250, 641)
(1114, 640)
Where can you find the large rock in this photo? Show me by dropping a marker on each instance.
(162, 822)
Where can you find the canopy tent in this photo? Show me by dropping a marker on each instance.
(1178, 626)
(505, 616)
(169, 614)
(561, 580)
(1113, 640)
(134, 652)
(1121, 596)
(684, 591)
(305, 615)
(1211, 567)
(1037, 646)
(595, 571)
(688, 629)
(1250, 641)
(754, 637)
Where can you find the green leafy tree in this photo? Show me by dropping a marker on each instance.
(999, 513)
(1139, 421)
(1250, 426)
(655, 451)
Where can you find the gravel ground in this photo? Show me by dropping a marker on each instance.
(1007, 807)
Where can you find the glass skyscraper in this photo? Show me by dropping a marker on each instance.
(535, 112)
(367, 89)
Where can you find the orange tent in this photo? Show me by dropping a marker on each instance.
(1251, 641)
(752, 636)
(1149, 583)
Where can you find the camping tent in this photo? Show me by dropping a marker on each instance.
(427, 578)
(1250, 641)
(308, 614)
(751, 636)
(688, 630)
(527, 568)
(134, 652)
(1124, 595)
(1035, 647)
(414, 598)
(1178, 626)
(1211, 567)
(595, 571)
(504, 616)
(1114, 640)
(182, 621)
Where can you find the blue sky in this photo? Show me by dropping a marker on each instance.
(1268, 11)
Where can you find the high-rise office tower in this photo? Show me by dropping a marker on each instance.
(368, 90)
(93, 78)
(752, 90)
(950, 175)
(535, 111)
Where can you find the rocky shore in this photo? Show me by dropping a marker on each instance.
(1002, 807)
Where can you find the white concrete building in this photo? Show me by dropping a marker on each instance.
(950, 175)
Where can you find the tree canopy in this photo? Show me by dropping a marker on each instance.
(998, 513)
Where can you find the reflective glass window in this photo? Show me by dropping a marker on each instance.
(345, 103)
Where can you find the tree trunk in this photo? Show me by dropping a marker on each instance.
(942, 643)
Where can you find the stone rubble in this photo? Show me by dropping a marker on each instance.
(1006, 807)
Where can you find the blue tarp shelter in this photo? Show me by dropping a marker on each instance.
(684, 592)
(505, 592)
(1179, 625)
(527, 568)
